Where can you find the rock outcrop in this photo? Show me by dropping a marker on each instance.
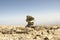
(28, 33)
(30, 21)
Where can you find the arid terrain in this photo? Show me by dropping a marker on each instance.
(12, 32)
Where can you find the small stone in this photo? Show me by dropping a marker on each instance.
(46, 38)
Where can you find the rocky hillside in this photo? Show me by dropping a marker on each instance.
(30, 33)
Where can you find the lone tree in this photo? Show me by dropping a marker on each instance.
(29, 20)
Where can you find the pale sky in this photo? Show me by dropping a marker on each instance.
(15, 11)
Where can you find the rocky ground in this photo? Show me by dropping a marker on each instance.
(28, 33)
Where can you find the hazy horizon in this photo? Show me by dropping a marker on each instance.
(15, 11)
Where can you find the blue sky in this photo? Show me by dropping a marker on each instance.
(15, 11)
